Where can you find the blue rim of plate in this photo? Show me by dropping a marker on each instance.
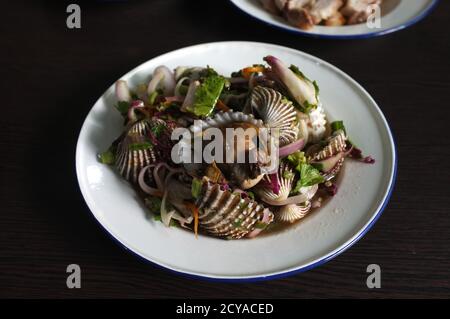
(408, 24)
(280, 275)
(286, 273)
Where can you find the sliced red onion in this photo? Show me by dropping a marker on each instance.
(179, 84)
(174, 98)
(291, 148)
(144, 186)
(154, 83)
(165, 215)
(163, 79)
(301, 90)
(190, 95)
(179, 71)
(122, 91)
(329, 163)
(136, 104)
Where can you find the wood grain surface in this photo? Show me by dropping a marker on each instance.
(51, 77)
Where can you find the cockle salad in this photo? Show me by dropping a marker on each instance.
(279, 164)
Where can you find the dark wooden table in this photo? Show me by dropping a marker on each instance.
(53, 75)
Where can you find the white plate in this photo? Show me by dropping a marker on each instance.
(396, 15)
(362, 195)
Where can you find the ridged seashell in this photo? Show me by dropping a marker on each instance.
(285, 179)
(226, 214)
(293, 212)
(246, 174)
(276, 112)
(135, 151)
(334, 144)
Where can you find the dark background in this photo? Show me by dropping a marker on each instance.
(51, 77)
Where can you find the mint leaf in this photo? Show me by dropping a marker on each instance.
(309, 175)
(338, 125)
(207, 94)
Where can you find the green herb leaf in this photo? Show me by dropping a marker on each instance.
(158, 129)
(299, 73)
(309, 175)
(296, 158)
(153, 203)
(207, 94)
(196, 187)
(316, 88)
(288, 175)
(140, 146)
(260, 225)
(306, 107)
(107, 157)
(338, 125)
(251, 195)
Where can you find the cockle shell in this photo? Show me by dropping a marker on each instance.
(224, 213)
(129, 160)
(293, 212)
(334, 144)
(276, 112)
(285, 178)
(245, 175)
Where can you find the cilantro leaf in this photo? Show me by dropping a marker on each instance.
(296, 158)
(158, 129)
(309, 175)
(207, 94)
